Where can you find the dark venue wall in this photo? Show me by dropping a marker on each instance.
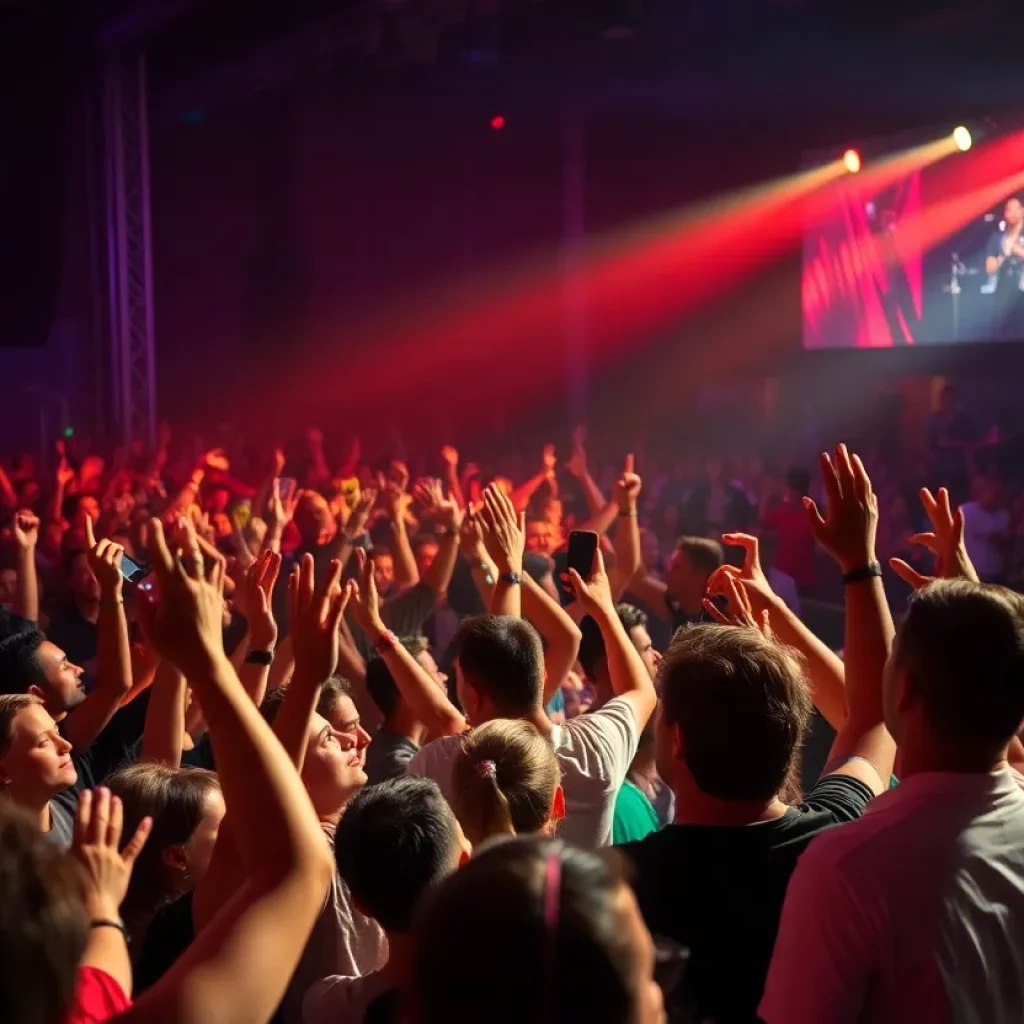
(48, 348)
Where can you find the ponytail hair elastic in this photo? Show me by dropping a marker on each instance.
(487, 769)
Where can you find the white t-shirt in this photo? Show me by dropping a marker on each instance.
(336, 999)
(913, 913)
(594, 752)
(979, 527)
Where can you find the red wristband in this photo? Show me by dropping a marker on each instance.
(387, 641)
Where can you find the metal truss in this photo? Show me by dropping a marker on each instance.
(129, 258)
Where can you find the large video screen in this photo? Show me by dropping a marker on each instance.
(869, 281)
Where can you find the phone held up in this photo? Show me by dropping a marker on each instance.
(582, 549)
(136, 574)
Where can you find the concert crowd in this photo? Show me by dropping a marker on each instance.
(303, 735)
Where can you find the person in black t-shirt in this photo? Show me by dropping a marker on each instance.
(714, 882)
(735, 707)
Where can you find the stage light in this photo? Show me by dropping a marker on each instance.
(962, 139)
(851, 160)
(498, 122)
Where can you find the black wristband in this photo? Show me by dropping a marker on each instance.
(871, 571)
(512, 578)
(107, 922)
(260, 657)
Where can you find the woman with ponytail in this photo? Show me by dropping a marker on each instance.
(506, 782)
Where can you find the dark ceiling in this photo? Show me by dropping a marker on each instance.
(875, 67)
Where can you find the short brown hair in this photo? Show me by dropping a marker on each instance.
(513, 798)
(742, 706)
(43, 923)
(705, 554)
(11, 705)
(962, 648)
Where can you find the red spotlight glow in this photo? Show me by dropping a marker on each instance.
(851, 160)
(498, 122)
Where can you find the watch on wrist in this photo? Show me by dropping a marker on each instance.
(511, 578)
(260, 657)
(870, 571)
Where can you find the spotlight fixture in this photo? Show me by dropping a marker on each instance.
(851, 160)
(962, 139)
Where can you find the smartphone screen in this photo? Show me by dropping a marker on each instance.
(132, 571)
(582, 548)
(286, 487)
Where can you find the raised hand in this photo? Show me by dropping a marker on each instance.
(365, 599)
(945, 541)
(429, 493)
(105, 561)
(847, 530)
(183, 620)
(450, 456)
(471, 538)
(577, 464)
(504, 531)
(398, 472)
(106, 871)
(278, 461)
(627, 487)
(740, 610)
(215, 458)
(548, 460)
(593, 593)
(280, 511)
(751, 575)
(394, 500)
(258, 586)
(26, 530)
(355, 525)
(65, 474)
(315, 614)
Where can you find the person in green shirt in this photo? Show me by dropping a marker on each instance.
(635, 817)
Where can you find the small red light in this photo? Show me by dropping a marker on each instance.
(497, 123)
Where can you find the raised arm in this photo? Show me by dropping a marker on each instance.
(258, 587)
(114, 654)
(863, 747)
(450, 458)
(627, 533)
(425, 698)
(560, 634)
(239, 965)
(106, 871)
(164, 730)
(628, 675)
(825, 671)
(315, 614)
(26, 594)
(504, 536)
(395, 501)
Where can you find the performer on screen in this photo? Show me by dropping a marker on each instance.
(1004, 264)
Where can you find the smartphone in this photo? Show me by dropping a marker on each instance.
(286, 487)
(582, 548)
(132, 571)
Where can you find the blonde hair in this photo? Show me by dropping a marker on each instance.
(504, 777)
